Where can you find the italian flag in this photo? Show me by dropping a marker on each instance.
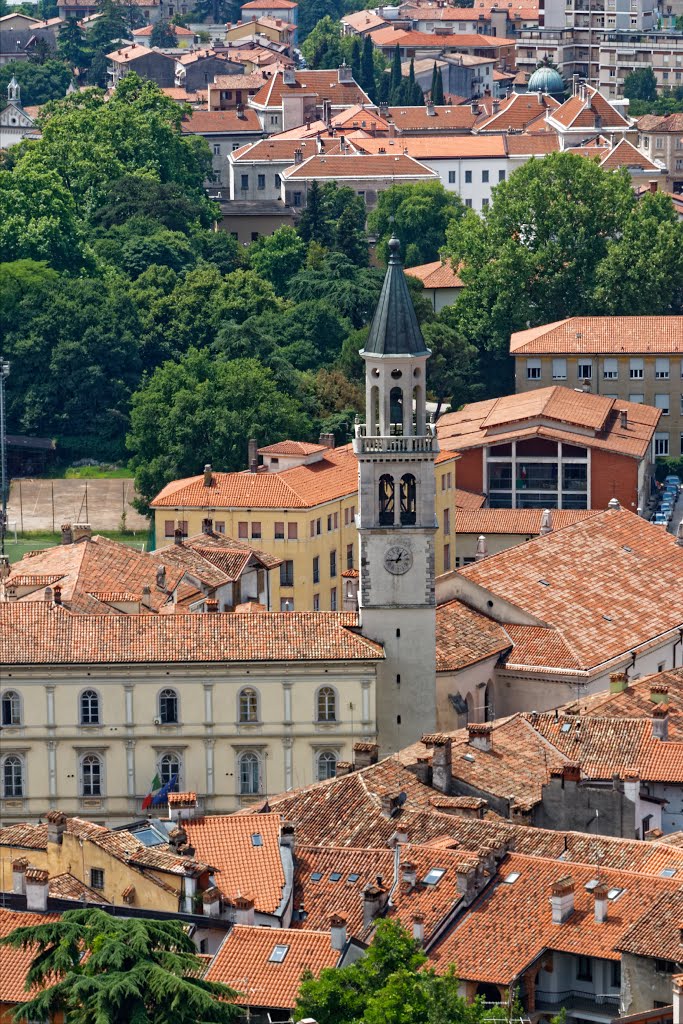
(149, 799)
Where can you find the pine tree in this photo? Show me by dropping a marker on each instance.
(71, 45)
(355, 60)
(437, 90)
(311, 225)
(384, 88)
(367, 68)
(163, 36)
(432, 88)
(396, 76)
(350, 240)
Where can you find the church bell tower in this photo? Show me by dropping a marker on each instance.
(396, 448)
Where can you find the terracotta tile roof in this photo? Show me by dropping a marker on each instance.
(202, 122)
(18, 579)
(540, 647)
(330, 478)
(610, 335)
(445, 147)
(363, 21)
(535, 145)
(177, 30)
(319, 84)
(253, 81)
(282, 150)
(657, 932)
(358, 116)
(127, 54)
(592, 112)
(636, 701)
(68, 887)
(464, 637)
(243, 961)
(44, 634)
(552, 412)
(610, 583)
(198, 55)
(292, 448)
(436, 275)
(442, 41)
(15, 963)
(467, 499)
(444, 118)
(226, 842)
(517, 111)
(664, 123)
(523, 521)
(626, 155)
(389, 165)
(183, 96)
(269, 5)
(321, 897)
(511, 925)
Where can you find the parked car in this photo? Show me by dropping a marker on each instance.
(673, 479)
(660, 519)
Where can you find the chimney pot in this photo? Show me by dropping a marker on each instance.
(430, 108)
(546, 522)
(207, 527)
(600, 896)
(337, 932)
(660, 722)
(365, 754)
(562, 900)
(67, 534)
(659, 693)
(613, 503)
(623, 416)
(442, 759)
(479, 735)
(654, 184)
(343, 768)
(244, 910)
(178, 535)
(208, 475)
(617, 682)
(211, 604)
(37, 883)
(57, 593)
(482, 549)
(419, 928)
(409, 873)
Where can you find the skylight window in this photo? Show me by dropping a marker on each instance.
(468, 757)
(316, 876)
(607, 618)
(668, 872)
(278, 954)
(544, 583)
(256, 839)
(353, 877)
(627, 548)
(335, 876)
(565, 727)
(433, 876)
(614, 894)
(511, 878)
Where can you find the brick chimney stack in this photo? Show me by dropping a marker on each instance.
(208, 475)
(660, 722)
(442, 759)
(617, 682)
(479, 735)
(600, 896)
(562, 900)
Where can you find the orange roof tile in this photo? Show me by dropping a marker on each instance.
(445, 147)
(363, 21)
(436, 275)
(534, 145)
(592, 112)
(661, 123)
(389, 165)
(177, 30)
(68, 887)
(523, 521)
(464, 637)
(45, 634)
(657, 932)
(126, 54)
(319, 84)
(321, 897)
(203, 122)
(441, 41)
(626, 155)
(636, 701)
(15, 963)
(608, 335)
(292, 448)
(467, 499)
(269, 5)
(282, 150)
(243, 961)
(444, 118)
(517, 111)
(226, 842)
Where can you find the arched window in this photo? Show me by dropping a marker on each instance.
(90, 708)
(248, 706)
(326, 704)
(169, 771)
(12, 776)
(11, 708)
(326, 765)
(396, 410)
(91, 775)
(408, 499)
(249, 773)
(168, 707)
(386, 500)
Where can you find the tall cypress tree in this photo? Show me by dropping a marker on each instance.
(437, 89)
(432, 89)
(355, 60)
(396, 81)
(367, 68)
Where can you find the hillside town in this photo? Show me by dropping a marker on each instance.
(341, 512)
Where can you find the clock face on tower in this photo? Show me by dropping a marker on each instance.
(398, 559)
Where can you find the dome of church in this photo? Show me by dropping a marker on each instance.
(546, 79)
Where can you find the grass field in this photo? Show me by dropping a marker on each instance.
(36, 541)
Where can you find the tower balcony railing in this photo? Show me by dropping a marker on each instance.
(399, 443)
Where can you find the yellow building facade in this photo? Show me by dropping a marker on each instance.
(301, 508)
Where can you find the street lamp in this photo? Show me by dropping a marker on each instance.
(4, 374)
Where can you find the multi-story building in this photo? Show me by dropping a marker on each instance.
(300, 506)
(366, 174)
(637, 359)
(282, 10)
(661, 139)
(225, 131)
(290, 97)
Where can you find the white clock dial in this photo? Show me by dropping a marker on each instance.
(398, 559)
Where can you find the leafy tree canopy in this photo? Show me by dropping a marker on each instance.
(641, 84)
(419, 215)
(278, 257)
(38, 218)
(134, 970)
(163, 35)
(39, 82)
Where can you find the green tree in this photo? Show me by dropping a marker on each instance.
(164, 202)
(39, 82)
(38, 218)
(71, 46)
(163, 35)
(132, 970)
(396, 75)
(453, 366)
(313, 226)
(322, 46)
(419, 215)
(367, 68)
(278, 257)
(20, 279)
(334, 217)
(202, 409)
(350, 238)
(437, 93)
(641, 84)
(353, 291)
(355, 59)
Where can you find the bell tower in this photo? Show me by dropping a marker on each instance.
(396, 448)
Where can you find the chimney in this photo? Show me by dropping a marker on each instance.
(5, 567)
(343, 768)
(365, 754)
(374, 898)
(659, 693)
(623, 416)
(211, 902)
(288, 835)
(337, 932)
(244, 910)
(58, 594)
(419, 928)
(482, 549)
(586, 386)
(465, 878)
(654, 184)
(408, 874)
(562, 900)
(56, 823)
(207, 527)
(252, 454)
(11, 593)
(178, 535)
(677, 995)
(479, 736)
(660, 722)
(161, 577)
(613, 503)
(82, 531)
(423, 769)
(679, 534)
(617, 682)
(298, 156)
(431, 112)
(442, 774)
(211, 604)
(19, 876)
(546, 522)
(146, 600)
(474, 107)
(600, 896)
(344, 74)
(67, 535)
(495, 106)
(37, 883)
(208, 475)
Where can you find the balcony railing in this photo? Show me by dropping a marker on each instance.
(575, 999)
(399, 443)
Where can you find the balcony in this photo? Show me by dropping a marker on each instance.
(399, 444)
(576, 1000)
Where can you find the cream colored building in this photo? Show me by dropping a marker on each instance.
(299, 505)
(636, 358)
(234, 706)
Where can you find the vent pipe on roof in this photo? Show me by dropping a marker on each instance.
(482, 549)
(600, 896)
(431, 112)
(623, 416)
(613, 503)
(546, 522)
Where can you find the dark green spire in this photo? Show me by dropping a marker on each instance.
(395, 330)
